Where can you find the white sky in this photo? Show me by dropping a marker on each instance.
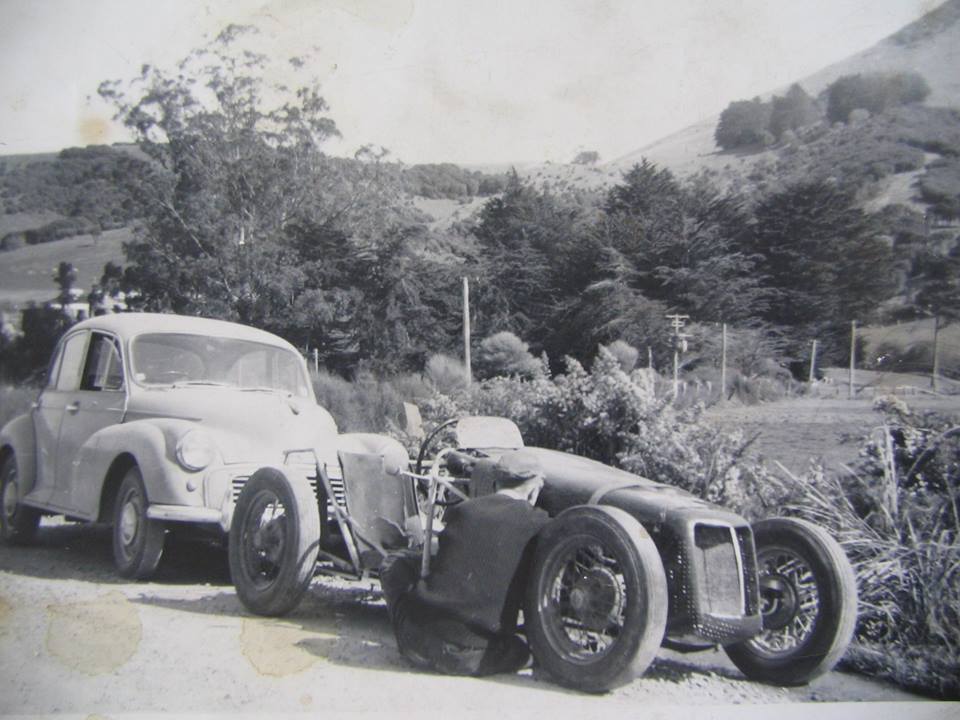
(481, 81)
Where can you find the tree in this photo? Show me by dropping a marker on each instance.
(65, 277)
(874, 92)
(248, 220)
(794, 110)
(743, 122)
(824, 256)
(587, 157)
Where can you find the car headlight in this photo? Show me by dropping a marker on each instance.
(195, 450)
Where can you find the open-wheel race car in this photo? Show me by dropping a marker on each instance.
(625, 565)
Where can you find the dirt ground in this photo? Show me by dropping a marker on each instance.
(76, 639)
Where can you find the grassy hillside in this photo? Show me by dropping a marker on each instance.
(26, 273)
(930, 46)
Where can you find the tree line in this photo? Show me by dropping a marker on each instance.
(245, 218)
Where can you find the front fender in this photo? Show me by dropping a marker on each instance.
(18, 438)
(151, 444)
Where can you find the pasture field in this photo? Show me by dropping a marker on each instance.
(26, 274)
(796, 430)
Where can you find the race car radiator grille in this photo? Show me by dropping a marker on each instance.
(720, 559)
(748, 559)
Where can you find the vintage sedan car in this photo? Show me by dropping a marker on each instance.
(152, 421)
(625, 566)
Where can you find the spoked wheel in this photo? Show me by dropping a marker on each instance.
(596, 603)
(808, 599)
(274, 541)
(137, 540)
(18, 524)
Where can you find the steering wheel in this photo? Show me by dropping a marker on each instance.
(425, 446)
(429, 439)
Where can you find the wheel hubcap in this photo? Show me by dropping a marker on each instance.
(129, 521)
(264, 539)
(10, 498)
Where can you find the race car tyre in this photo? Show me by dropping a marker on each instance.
(18, 523)
(808, 597)
(274, 541)
(137, 540)
(596, 602)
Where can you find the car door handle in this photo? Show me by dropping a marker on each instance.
(72, 407)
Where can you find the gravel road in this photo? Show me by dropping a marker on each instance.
(76, 639)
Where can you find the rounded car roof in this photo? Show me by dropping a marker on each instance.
(127, 325)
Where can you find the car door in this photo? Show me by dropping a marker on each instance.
(98, 402)
(50, 408)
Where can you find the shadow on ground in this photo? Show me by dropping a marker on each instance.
(80, 551)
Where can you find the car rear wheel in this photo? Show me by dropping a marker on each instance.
(274, 541)
(808, 597)
(596, 601)
(137, 540)
(18, 523)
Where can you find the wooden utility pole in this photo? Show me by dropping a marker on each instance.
(466, 330)
(723, 364)
(935, 374)
(813, 361)
(679, 345)
(853, 352)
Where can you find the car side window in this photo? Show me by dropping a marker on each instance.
(103, 369)
(68, 378)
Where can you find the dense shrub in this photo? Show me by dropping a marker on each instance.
(445, 374)
(365, 405)
(503, 353)
(625, 353)
(612, 416)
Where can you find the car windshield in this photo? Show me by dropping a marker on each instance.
(179, 360)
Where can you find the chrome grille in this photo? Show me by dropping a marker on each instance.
(239, 481)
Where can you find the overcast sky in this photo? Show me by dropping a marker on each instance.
(479, 81)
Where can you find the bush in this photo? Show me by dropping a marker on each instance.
(364, 405)
(611, 416)
(505, 354)
(625, 353)
(445, 374)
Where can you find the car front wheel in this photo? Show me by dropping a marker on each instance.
(18, 524)
(274, 541)
(596, 604)
(137, 540)
(808, 597)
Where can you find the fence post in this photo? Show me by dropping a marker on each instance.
(723, 365)
(813, 361)
(853, 353)
(466, 330)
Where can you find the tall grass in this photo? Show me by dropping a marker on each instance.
(367, 404)
(896, 515)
